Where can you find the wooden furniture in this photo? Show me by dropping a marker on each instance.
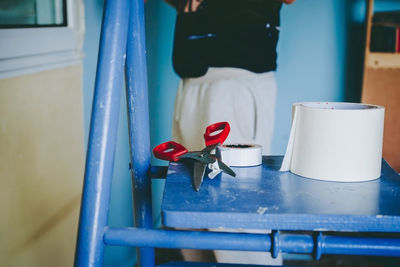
(381, 86)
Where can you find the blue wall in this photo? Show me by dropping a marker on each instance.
(160, 21)
(320, 59)
(310, 56)
(320, 56)
(312, 60)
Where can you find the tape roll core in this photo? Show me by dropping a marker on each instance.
(240, 155)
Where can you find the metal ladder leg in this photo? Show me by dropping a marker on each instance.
(138, 120)
(103, 134)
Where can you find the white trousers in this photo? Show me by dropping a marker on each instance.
(244, 99)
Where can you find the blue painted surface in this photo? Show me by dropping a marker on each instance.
(121, 212)
(93, 19)
(103, 134)
(368, 246)
(285, 242)
(186, 239)
(263, 198)
(312, 59)
(121, 207)
(320, 56)
(163, 82)
(138, 121)
(385, 5)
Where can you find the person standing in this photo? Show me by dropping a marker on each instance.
(225, 54)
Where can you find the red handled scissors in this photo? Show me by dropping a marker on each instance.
(215, 135)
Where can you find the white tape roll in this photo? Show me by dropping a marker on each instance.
(335, 141)
(240, 155)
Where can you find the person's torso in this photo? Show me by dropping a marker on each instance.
(227, 33)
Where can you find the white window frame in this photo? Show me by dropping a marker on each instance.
(28, 50)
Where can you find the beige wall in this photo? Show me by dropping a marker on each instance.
(41, 167)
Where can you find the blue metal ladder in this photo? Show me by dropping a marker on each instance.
(122, 42)
(122, 49)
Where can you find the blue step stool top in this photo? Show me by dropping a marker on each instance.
(262, 197)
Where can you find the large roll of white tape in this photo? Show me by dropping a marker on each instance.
(335, 141)
(240, 155)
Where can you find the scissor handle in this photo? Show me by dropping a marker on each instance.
(170, 151)
(212, 138)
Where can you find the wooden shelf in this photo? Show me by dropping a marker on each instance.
(383, 60)
(381, 86)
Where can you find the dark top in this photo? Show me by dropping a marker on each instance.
(227, 33)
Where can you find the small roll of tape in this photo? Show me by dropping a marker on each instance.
(240, 155)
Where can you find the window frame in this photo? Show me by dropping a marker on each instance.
(32, 49)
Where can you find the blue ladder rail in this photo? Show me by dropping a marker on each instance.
(103, 134)
(317, 244)
(123, 41)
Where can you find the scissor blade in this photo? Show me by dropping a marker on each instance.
(199, 156)
(225, 168)
(198, 174)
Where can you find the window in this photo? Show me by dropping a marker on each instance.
(38, 34)
(32, 13)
